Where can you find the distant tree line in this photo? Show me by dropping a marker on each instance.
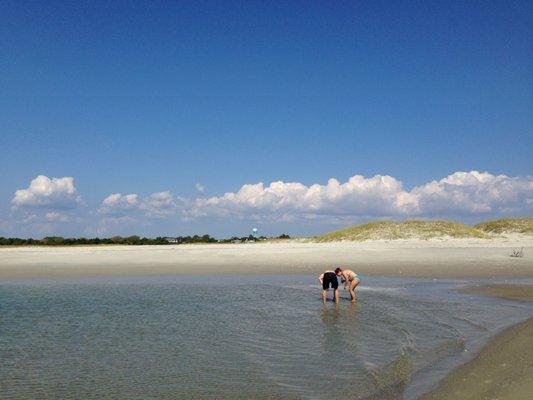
(252, 238)
(243, 239)
(128, 240)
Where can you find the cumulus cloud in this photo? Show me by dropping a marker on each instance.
(465, 193)
(462, 193)
(200, 188)
(51, 201)
(159, 205)
(379, 196)
(156, 205)
(117, 203)
(44, 192)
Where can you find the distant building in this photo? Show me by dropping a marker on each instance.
(171, 240)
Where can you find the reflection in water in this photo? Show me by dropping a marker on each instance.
(171, 339)
(331, 337)
(330, 313)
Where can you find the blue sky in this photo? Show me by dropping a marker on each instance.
(149, 97)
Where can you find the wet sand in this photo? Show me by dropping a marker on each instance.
(418, 258)
(503, 368)
(508, 292)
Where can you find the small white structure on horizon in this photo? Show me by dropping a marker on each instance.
(171, 240)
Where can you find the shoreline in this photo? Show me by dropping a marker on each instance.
(503, 367)
(443, 258)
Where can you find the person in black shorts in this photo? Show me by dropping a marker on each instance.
(329, 279)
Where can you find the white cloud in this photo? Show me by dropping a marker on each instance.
(200, 188)
(56, 217)
(127, 199)
(47, 193)
(379, 196)
(159, 205)
(117, 203)
(462, 193)
(156, 205)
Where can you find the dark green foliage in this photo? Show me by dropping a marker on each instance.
(130, 240)
(244, 239)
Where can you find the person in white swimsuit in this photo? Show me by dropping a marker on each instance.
(350, 280)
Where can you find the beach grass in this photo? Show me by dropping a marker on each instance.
(507, 225)
(411, 229)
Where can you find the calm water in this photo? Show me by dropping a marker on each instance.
(236, 338)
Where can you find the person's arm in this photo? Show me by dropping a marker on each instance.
(344, 280)
(321, 278)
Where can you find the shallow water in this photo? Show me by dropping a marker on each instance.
(236, 337)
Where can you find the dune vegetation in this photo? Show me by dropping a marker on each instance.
(422, 229)
(392, 230)
(507, 225)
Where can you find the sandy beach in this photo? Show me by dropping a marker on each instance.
(503, 368)
(420, 258)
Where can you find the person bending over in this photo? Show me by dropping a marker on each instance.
(350, 280)
(329, 279)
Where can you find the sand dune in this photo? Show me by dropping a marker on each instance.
(430, 229)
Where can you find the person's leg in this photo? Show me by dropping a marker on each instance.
(353, 285)
(336, 295)
(324, 296)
